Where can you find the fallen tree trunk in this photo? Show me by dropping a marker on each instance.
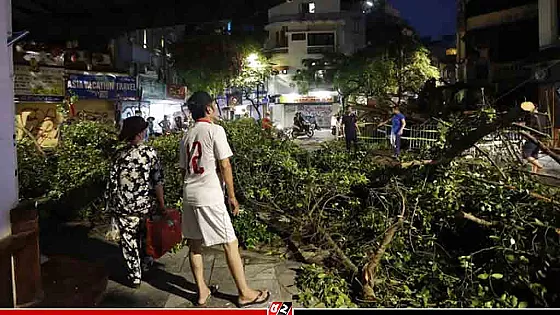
(466, 142)
(338, 251)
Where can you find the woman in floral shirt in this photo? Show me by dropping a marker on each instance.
(134, 190)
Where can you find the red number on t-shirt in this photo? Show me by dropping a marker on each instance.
(194, 159)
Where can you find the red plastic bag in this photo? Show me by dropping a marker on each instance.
(163, 234)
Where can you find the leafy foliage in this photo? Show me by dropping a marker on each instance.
(71, 177)
(322, 288)
(215, 62)
(440, 257)
(469, 238)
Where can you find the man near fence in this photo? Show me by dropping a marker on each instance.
(350, 126)
(398, 122)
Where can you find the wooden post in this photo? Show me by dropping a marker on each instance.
(27, 260)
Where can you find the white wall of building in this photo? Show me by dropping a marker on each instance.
(348, 29)
(8, 184)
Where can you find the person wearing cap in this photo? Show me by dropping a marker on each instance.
(134, 190)
(530, 150)
(204, 158)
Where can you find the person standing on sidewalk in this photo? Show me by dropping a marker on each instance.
(267, 122)
(204, 150)
(398, 122)
(134, 190)
(350, 128)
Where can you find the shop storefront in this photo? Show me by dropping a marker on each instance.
(162, 101)
(99, 96)
(320, 106)
(38, 91)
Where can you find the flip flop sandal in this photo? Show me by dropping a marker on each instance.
(256, 300)
(213, 290)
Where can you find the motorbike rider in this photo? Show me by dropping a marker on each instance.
(300, 124)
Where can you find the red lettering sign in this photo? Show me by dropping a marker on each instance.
(176, 91)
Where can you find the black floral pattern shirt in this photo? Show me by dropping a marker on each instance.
(135, 172)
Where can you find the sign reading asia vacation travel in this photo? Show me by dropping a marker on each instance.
(102, 87)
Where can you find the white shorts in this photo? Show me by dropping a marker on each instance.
(211, 224)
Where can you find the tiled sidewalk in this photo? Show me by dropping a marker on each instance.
(170, 284)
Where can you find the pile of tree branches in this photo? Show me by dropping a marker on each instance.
(439, 232)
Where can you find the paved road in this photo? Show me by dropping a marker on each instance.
(314, 143)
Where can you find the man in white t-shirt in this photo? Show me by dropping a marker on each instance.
(204, 154)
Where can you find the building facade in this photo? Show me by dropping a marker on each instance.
(145, 54)
(513, 45)
(444, 57)
(308, 29)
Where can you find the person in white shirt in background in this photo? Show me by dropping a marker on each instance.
(204, 155)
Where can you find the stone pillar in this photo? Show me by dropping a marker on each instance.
(8, 184)
(548, 23)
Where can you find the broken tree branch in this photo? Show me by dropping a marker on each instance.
(370, 269)
(472, 218)
(531, 130)
(491, 161)
(339, 252)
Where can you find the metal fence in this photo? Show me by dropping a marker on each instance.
(415, 137)
(419, 137)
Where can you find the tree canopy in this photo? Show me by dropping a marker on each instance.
(215, 62)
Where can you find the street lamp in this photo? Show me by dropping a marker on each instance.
(253, 61)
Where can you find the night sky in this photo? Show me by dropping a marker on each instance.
(429, 17)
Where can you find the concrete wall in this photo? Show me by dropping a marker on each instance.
(8, 184)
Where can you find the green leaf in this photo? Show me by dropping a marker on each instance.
(497, 276)
(483, 276)
(523, 305)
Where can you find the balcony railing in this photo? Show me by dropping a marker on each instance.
(320, 49)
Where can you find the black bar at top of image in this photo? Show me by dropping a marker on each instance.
(423, 311)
